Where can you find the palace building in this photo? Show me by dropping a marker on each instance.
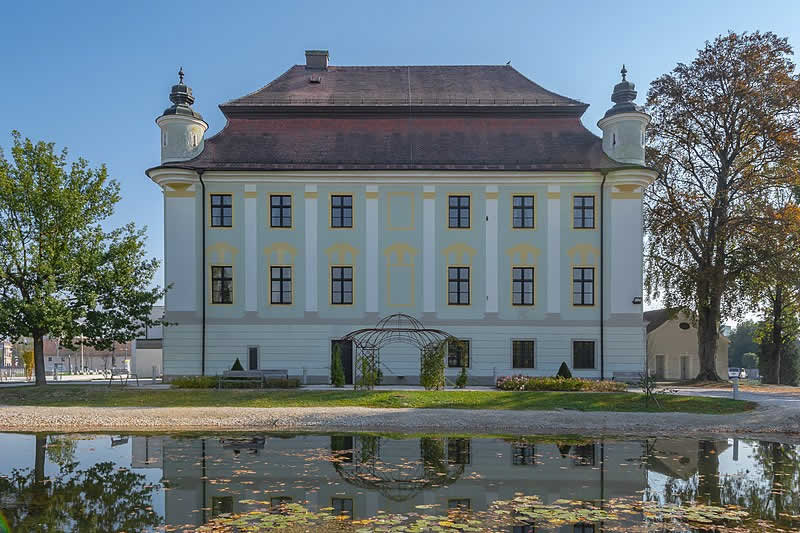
(467, 197)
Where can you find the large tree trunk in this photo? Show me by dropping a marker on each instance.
(708, 489)
(775, 346)
(707, 340)
(38, 359)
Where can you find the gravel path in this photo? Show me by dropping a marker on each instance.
(767, 419)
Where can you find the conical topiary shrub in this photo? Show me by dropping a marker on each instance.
(563, 371)
(237, 365)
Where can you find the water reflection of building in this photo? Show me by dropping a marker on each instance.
(360, 476)
(146, 452)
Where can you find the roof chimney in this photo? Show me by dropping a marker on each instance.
(316, 60)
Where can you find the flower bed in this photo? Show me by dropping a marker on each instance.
(529, 383)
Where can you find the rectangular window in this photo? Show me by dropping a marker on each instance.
(458, 212)
(523, 453)
(341, 211)
(280, 285)
(341, 285)
(221, 285)
(280, 209)
(583, 212)
(458, 354)
(458, 285)
(522, 212)
(221, 505)
(522, 286)
(523, 354)
(458, 504)
(221, 211)
(583, 286)
(582, 354)
(277, 501)
(584, 455)
(342, 507)
(458, 451)
(252, 356)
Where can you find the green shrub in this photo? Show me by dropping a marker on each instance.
(563, 371)
(529, 383)
(431, 372)
(194, 382)
(461, 381)
(237, 365)
(337, 369)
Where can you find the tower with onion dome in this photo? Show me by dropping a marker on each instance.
(624, 125)
(182, 128)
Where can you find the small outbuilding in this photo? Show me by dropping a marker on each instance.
(672, 346)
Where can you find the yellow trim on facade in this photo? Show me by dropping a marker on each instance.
(462, 251)
(340, 249)
(429, 195)
(310, 194)
(579, 254)
(492, 195)
(553, 195)
(626, 195)
(447, 285)
(179, 194)
(250, 194)
(352, 211)
(269, 284)
(233, 209)
(178, 185)
(269, 210)
(371, 195)
(535, 210)
(447, 210)
(331, 266)
(404, 255)
(571, 208)
(284, 252)
(220, 249)
(389, 195)
(527, 253)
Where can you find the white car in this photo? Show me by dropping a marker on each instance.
(740, 373)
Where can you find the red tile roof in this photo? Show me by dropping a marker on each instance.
(402, 118)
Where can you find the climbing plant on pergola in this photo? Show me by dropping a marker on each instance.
(398, 328)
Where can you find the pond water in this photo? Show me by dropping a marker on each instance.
(395, 483)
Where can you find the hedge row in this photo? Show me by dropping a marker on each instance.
(210, 382)
(529, 383)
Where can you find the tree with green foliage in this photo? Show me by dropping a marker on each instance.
(337, 369)
(62, 272)
(725, 137)
(749, 360)
(743, 340)
(461, 380)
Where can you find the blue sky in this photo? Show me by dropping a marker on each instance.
(94, 76)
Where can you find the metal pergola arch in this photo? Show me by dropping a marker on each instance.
(397, 328)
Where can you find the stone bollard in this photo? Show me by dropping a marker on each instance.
(305, 376)
(735, 387)
(155, 372)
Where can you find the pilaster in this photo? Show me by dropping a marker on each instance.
(310, 198)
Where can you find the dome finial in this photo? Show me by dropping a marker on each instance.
(623, 71)
(180, 75)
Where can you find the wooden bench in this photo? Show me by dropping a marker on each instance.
(254, 376)
(119, 373)
(627, 377)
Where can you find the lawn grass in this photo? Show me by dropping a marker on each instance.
(101, 396)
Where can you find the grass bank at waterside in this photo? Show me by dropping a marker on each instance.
(101, 396)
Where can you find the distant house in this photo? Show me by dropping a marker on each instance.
(672, 346)
(147, 351)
